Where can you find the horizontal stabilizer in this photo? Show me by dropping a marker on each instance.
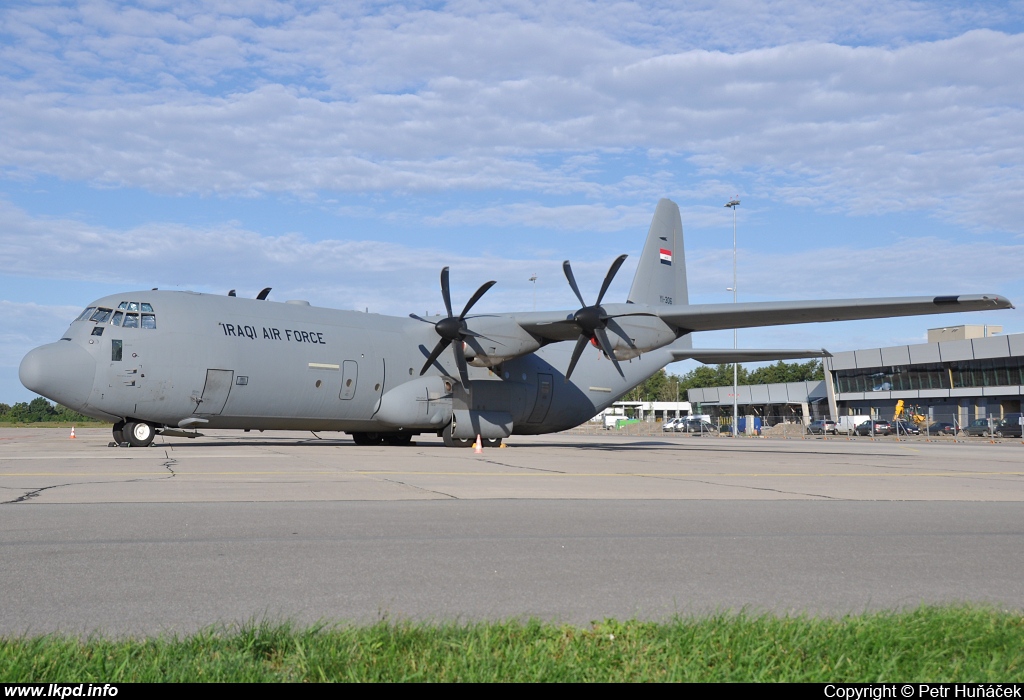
(714, 356)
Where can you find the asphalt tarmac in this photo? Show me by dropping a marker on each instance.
(570, 528)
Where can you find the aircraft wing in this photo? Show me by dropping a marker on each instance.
(714, 356)
(550, 325)
(711, 317)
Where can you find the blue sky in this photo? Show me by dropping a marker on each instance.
(343, 153)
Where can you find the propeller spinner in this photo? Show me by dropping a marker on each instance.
(453, 329)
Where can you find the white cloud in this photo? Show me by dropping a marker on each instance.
(317, 99)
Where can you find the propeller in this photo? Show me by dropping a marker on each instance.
(593, 319)
(453, 329)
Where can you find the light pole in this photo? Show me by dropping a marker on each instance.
(732, 204)
(533, 278)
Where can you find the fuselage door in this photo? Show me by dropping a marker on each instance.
(349, 378)
(215, 392)
(544, 389)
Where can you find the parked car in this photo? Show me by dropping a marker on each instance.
(696, 425)
(981, 427)
(941, 429)
(904, 427)
(823, 427)
(669, 426)
(881, 428)
(1009, 426)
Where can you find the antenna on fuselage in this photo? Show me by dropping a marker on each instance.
(231, 293)
(264, 294)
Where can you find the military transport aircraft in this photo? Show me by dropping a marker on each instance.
(172, 362)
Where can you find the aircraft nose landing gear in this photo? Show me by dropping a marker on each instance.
(135, 434)
(118, 432)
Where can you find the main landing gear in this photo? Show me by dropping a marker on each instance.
(392, 439)
(452, 441)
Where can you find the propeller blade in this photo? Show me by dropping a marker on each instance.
(609, 277)
(438, 349)
(567, 268)
(420, 318)
(476, 297)
(445, 291)
(606, 347)
(577, 351)
(460, 360)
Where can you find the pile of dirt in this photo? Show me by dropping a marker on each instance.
(784, 430)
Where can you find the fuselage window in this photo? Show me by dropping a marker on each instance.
(98, 330)
(101, 315)
(148, 321)
(147, 307)
(123, 306)
(116, 320)
(131, 321)
(85, 314)
(115, 350)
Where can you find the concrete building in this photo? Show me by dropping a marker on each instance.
(977, 375)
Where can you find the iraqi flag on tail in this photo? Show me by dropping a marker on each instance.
(666, 256)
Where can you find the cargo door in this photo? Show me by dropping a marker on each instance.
(215, 392)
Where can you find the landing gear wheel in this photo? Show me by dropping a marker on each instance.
(367, 439)
(492, 442)
(398, 439)
(452, 441)
(118, 432)
(139, 434)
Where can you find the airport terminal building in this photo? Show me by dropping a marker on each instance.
(961, 374)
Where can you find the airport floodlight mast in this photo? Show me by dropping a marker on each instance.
(732, 204)
(533, 278)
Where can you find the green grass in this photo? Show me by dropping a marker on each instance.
(966, 644)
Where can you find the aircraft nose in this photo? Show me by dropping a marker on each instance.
(61, 371)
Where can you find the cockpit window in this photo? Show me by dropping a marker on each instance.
(132, 320)
(85, 314)
(101, 315)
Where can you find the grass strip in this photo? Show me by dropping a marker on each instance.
(929, 644)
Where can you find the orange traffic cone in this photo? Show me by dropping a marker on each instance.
(478, 448)
(72, 433)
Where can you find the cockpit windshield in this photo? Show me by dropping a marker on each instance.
(129, 314)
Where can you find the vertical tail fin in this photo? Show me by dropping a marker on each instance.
(661, 275)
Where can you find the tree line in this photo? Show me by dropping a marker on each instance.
(39, 410)
(667, 387)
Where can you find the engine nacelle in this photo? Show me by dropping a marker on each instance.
(632, 336)
(500, 339)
